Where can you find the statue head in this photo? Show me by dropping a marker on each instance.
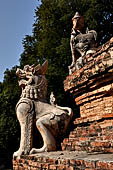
(78, 21)
(32, 81)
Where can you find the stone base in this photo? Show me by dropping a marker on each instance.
(64, 160)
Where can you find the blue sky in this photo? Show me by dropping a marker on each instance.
(16, 20)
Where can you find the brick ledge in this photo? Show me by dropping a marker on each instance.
(64, 160)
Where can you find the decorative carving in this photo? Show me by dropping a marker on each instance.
(51, 119)
(52, 99)
(81, 43)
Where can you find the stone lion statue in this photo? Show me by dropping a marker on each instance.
(50, 119)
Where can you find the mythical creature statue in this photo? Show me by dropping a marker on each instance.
(81, 43)
(50, 119)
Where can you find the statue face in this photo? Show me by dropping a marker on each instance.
(78, 23)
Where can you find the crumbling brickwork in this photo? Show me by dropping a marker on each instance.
(96, 137)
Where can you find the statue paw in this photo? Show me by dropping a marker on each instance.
(72, 65)
(34, 151)
(46, 148)
(17, 153)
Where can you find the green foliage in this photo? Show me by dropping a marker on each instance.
(30, 51)
(99, 16)
(9, 126)
(50, 41)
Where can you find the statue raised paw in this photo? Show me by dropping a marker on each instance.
(50, 119)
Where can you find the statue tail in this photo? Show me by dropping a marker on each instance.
(67, 109)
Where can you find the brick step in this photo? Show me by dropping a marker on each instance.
(94, 129)
(97, 137)
(89, 146)
(64, 160)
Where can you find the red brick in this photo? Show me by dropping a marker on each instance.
(45, 165)
(63, 147)
(110, 166)
(108, 150)
(91, 169)
(32, 168)
(79, 162)
(52, 167)
(103, 144)
(16, 168)
(61, 167)
(51, 161)
(89, 164)
(39, 165)
(66, 140)
(69, 168)
(82, 138)
(72, 162)
(21, 168)
(65, 161)
(102, 165)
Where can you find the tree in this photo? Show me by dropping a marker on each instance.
(9, 126)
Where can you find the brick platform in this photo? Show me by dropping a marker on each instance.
(65, 161)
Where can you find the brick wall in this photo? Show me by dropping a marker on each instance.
(93, 137)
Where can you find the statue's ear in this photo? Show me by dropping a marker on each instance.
(36, 68)
(41, 69)
(44, 67)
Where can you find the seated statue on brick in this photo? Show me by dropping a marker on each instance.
(50, 119)
(81, 43)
